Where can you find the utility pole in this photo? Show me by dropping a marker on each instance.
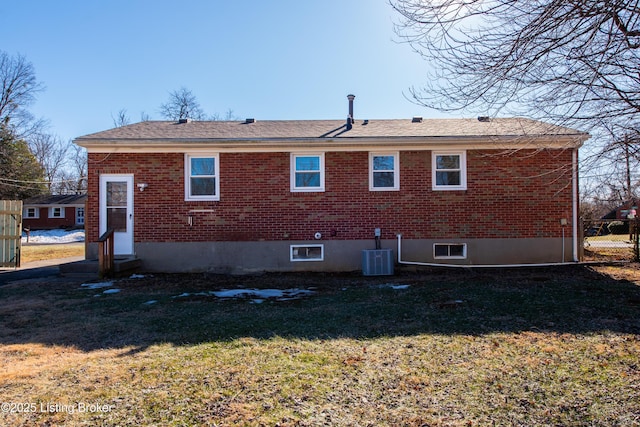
(626, 155)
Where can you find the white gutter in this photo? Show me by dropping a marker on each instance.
(408, 143)
(430, 264)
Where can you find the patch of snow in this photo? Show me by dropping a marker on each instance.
(277, 294)
(256, 296)
(394, 286)
(97, 285)
(137, 276)
(151, 302)
(242, 293)
(111, 291)
(54, 236)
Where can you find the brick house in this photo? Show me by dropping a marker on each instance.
(53, 211)
(310, 195)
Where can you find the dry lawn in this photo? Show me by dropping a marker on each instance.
(40, 252)
(544, 347)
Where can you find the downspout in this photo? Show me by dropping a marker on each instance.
(575, 234)
(574, 179)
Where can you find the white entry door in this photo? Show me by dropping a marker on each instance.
(116, 210)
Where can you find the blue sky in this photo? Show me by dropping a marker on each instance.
(279, 59)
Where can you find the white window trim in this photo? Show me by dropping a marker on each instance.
(293, 173)
(464, 250)
(187, 176)
(293, 248)
(36, 213)
(52, 210)
(463, 171)
(396, 171)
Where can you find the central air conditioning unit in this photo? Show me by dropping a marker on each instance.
(377, 262)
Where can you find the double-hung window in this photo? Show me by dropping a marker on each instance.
(307, 172)
(449, 170)
(31, 213)
(202, 177)
(56, 212)
(384, 174)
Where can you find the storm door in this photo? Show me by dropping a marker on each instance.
(116, 210)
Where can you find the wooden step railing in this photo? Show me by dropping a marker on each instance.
(105, 254)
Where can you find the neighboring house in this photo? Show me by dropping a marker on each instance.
(48, 212)
(627, 210)
(309, 194)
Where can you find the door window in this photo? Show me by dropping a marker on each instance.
(117, 205)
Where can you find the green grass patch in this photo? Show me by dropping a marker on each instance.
(454, 348)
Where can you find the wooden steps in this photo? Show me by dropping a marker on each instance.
(90, 269)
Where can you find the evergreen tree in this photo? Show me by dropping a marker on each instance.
(21, 176)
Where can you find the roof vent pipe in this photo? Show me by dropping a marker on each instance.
(350, 116)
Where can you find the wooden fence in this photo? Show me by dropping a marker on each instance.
(10, 232)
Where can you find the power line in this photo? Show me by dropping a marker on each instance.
(43, 181)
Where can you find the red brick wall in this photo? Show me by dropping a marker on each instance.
(44, 222)
(520, 195)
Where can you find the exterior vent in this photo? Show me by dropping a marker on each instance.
(182, 121)
(484, 119)
(377, 262)
(249, 121)
(416, 119)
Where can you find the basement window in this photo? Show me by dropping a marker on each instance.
(306, 253)
(450, 250)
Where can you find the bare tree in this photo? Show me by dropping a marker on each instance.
(52, 154)
(18, 89)
(571, 60)
(229, 115)
(182, 104)
(73, 179)
(121, 118)
(614, 167)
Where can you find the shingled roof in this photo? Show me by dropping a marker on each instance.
(278, 135)
(64, 199)
(305, 129)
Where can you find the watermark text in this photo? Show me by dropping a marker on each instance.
(54, 407)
